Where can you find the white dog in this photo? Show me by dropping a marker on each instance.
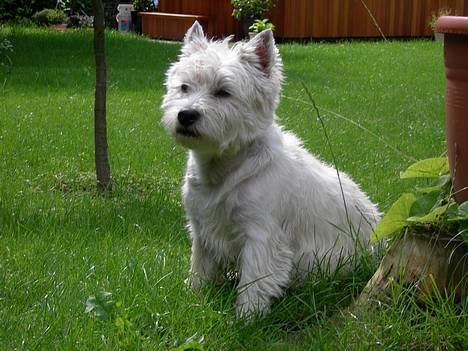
(257, 202)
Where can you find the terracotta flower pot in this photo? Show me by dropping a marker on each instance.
(455, 30)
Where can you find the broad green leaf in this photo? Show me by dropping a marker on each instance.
(458, 213)
(91, 304)
(424, 204)
(431, 217)
(438, 184)
(104, 295)
(463, 209)
(428, 168)
(452, 211)
(99, 305)
(395, 219)
(101, 313)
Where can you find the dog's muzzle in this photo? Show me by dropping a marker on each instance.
(187, 119)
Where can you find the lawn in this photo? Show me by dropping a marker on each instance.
(84, 272)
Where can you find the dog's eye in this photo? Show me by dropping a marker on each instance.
(184, 88)
(221, 93)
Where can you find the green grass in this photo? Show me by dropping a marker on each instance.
(61, 244)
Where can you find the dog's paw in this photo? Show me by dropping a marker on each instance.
(251, 306)
(195, 282)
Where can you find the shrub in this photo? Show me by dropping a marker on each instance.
(79, 12)
(48, 16)
(435, 16)
(6, 48)
(144, 5)
(252, 9)
(76, 7)
(16, 10)
(261, 25)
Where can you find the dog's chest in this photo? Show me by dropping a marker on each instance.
(213, 220)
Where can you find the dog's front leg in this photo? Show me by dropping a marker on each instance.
(204, 268)
(265, 266)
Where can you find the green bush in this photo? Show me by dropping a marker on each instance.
(6, 48)
(252, 9)
(48, 16)
(16, 10)
(144, 5)
(73, 7)
(261, 25)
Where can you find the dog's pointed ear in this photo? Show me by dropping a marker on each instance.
(194, 39)
(261, 52)
(195, 32)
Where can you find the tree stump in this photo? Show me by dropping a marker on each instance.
(421, 260)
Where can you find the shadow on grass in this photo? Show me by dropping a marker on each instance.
(70, 202)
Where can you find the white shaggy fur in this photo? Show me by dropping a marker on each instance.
(257, 202)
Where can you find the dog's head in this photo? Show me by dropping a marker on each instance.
(220, 97)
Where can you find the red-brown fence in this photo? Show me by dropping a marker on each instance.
(220, 22)
(311, 18)
(359, 18)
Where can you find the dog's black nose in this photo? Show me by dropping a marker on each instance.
(188, 117)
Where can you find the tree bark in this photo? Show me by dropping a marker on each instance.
(423, 261)
(103, 177)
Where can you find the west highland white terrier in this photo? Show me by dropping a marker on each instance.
(258, 204)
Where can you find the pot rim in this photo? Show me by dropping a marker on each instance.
(452, 25)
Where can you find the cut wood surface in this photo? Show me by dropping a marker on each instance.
(424, 262)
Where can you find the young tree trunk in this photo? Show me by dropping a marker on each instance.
(100, 132)
(423, 261)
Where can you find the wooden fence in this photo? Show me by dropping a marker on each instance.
(359, 18)
(311, 18)
(221, 23)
